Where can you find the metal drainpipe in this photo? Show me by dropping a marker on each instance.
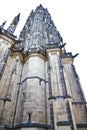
(14, 114)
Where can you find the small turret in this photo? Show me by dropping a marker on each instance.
(14, 23)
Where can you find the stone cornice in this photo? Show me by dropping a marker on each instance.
(7, 34)
(67, 60)
(14, 54)
(8, 40)
(34, 54)
(24, 58)
(57, 51)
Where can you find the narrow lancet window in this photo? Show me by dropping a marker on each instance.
(29, 117)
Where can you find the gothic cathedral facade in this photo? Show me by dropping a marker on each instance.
(39, 86)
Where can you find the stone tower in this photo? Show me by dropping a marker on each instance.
(39, 86)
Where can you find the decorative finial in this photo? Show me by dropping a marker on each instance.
(40, 7)
(3, 24)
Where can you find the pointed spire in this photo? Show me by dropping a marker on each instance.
(31, 13)
(14, 23)
(40, 7)
(1, 26)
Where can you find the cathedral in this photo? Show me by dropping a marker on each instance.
(39, 86)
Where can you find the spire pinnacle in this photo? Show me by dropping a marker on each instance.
(40, 7)
(1, 26)
(14, 23)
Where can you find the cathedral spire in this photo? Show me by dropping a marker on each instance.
(14, 23)
(40, 7)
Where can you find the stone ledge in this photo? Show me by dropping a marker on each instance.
(63, 123)
(33, 77)
(29, 124)
(79, 103)
(81, 125)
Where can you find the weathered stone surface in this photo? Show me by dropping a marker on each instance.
(39, 86)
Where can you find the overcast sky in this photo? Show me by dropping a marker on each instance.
(70, 18)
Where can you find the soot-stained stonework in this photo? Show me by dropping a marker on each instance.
(39, 86)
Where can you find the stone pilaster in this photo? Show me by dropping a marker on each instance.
(74, 90)
(33, 92)
(59, 92)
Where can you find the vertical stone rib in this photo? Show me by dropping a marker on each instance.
(70, 115)
(14, 113)
(61, 75)
(77, 84)
(3, 62)
(50, 94)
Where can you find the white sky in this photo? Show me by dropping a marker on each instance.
(70, 18)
